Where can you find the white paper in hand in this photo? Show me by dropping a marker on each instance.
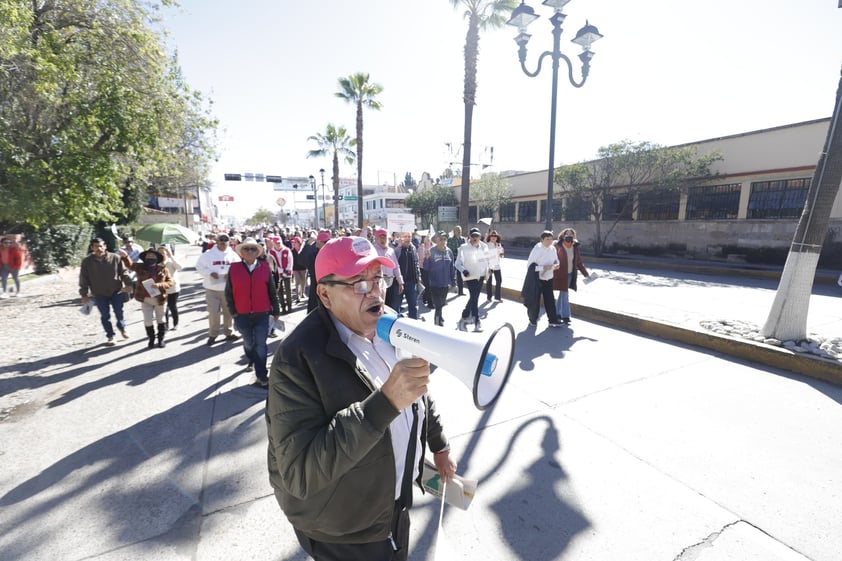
(443, 550)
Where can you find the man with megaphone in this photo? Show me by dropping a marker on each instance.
(348, 422)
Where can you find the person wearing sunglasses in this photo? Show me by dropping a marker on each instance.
(252, 296)
(564, 278)
(348, 422)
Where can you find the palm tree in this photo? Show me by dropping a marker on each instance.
(334, 140)
(481, 15)
(356, 89)
(787, 319)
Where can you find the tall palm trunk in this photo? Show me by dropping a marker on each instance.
(469, 97)
(359, 164)
(335, 191)
(788, 317)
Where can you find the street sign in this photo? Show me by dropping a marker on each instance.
(311, 197)
(226, 199)
(448, 214)
(233, 177)
(350, 197)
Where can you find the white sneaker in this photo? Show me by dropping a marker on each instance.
(461, 326)
(477, 327)
(4, 295)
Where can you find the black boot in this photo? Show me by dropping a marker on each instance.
(162, 329)
(150, 332)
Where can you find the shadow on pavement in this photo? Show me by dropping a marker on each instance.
(175, 438)
(536, 522)
(533, 343)
(143, 369)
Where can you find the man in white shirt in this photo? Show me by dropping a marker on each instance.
(472, 264)
(543, 260)
(213, 265)
(348, 422)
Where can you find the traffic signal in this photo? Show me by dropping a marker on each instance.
(274, 179)
(311, 197)
(233, 177)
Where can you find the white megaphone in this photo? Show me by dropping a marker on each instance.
(481, 362)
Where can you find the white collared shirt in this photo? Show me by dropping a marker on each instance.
(378, 357)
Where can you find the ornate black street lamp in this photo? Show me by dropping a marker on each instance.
(522, 16)
(315, 202)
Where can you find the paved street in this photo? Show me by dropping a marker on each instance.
(606, 444)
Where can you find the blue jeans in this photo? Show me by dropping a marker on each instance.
(104, 305)
(562, 305)
(410, 290)
(255, 328)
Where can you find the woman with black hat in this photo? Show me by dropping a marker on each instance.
(153, 281)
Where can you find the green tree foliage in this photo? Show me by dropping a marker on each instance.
(334, 142)
(625, 169)
(490, 192)
(425, 203)
(358, 91)
(93, 115)
(481, 15)
(260, 217)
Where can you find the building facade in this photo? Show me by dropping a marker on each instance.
(752, 206)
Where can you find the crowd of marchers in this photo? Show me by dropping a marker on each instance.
(339, 397)
(251, 278)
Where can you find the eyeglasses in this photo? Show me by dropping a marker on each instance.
(365, 286)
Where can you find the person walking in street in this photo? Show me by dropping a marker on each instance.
(132, 249)
(543, 259)
(284, 258)
(423, 251)
(153, 281)
(252, 296)
(213, 265)
(564, 278)
(348, 423)
(495, 257)
(321, 239)
(472, 263)
(454, 242)
(104, 276)
(384, 249)
(441, 274)
(11, 262)
(173, 267)
(299, 269)
(408, 263)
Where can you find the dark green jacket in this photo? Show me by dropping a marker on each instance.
(330, 452)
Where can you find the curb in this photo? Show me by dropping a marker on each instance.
(766, 355)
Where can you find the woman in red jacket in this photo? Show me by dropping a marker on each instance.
(11, 262)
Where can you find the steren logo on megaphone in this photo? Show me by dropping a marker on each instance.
(401, 334)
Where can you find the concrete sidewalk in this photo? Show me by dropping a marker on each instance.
(673, 304)
(605, 444)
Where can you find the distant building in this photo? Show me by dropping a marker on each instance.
(754, 203)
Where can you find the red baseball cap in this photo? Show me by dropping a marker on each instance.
(323, 236)
(381, 232)
(348, 256)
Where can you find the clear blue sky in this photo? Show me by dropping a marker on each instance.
(666, 71)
